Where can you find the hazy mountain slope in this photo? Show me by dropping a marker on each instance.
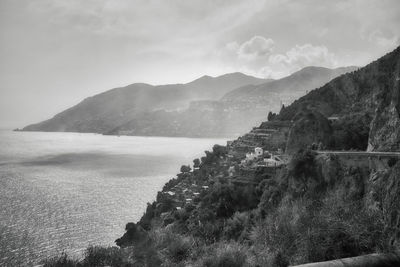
(358, 91)
(105, 111)
(287, 89)
(215, 88)
(235, 114)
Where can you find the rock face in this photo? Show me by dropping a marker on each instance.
(385, 128)
(310, 128)
(383, 192)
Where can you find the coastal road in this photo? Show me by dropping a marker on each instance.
(361, 153)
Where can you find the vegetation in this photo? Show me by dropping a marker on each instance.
(297, 216)
(351, 132)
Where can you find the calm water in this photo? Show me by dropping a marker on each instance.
(64, 191)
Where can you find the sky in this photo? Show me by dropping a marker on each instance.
(54, 53)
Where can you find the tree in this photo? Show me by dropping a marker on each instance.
(282, 108)
(185, 168)
(196, 163)
(271, 116)
(219, 150)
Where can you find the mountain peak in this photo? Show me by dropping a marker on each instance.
(313, 69)
(205, 77)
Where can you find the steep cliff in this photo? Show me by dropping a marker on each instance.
(385, 127)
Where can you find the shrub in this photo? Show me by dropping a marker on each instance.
(235, 226)
(103, 256)
(226, 255)
(304, 230)
(60, 261)
(175, 247)
(179, 249)
(185, 168)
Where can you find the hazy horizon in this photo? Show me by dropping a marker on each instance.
(56, 53)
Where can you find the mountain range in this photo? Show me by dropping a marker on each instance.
(221, 106)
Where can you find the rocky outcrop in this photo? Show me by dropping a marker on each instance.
(385, 127)
(383, 193)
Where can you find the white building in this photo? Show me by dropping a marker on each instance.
(231, 170)
(250, 156)
(274, 161)
(258, 151)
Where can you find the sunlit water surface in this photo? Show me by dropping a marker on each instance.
(60, 192)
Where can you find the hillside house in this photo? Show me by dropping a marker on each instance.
(333, 118)
(258, 151)
(231, 171)
(274, 161)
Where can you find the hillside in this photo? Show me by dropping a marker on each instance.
(103, 112)
(234, 211)
(367, 98)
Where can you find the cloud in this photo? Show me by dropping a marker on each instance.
(305, 55)
(257, 46)
(386, 40)
(165, 19)
(256, 57)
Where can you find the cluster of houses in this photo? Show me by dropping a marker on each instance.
(185, 192)
(261, 158)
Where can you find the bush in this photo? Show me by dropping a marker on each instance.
(227, 255)
(174, 247)
(235, 226)
(179, 249)
(185, 168)
(61, 261)
(103, 256)
(303, 230)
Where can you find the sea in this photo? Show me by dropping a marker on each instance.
(62, 192)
